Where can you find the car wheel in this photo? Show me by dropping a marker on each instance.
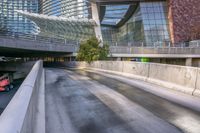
(7, 88)
(11, 86)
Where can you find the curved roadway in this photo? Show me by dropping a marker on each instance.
(88, 102)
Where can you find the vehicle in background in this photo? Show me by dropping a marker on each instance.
(3, 59)
(142, 59)
(9, 59)
(6, 82)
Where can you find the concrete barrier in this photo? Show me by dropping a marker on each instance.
(74, 64)
(197, 88)
(110, 65)
(180, 78)
(25, 110)
(19, 75)
(138, 70)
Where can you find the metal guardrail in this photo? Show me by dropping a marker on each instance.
(62, 41)
(191, 44)
(154, 50)
(36, 45)
(38, 38)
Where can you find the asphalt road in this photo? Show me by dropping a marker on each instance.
(5, 97)
(86, 102)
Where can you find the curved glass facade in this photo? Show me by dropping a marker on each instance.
(144, 23)
(11, 21)
(114, 14)
(148, 26)
(60, 27)
(66, 8)
(69, 19)
(154, 16)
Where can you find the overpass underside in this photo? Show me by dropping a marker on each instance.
(16, 52)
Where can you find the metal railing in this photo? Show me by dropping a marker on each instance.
(154, 50)
(38, 38)
(192, 44)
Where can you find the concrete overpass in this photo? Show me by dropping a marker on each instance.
(25, 46)
(35, 46)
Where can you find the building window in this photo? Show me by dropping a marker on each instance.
(148, 26)
(11, 22)
(154, 16)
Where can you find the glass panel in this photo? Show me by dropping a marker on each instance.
(148, 25)
(11, 21)
(158, 23)
(114, 14)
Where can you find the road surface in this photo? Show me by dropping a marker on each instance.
(87, 102)
(5, 97)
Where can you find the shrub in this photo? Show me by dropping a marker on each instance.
(91, 50)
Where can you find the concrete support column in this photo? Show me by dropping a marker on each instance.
(188, 62)
(95, 16)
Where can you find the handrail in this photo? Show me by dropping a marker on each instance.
(194, 43)
(39, 38)
(153, 50)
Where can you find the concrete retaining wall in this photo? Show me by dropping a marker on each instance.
(24, 67)
(181, 78)
(197, 88)
(139, 70)
(173, 77)
(23, 112)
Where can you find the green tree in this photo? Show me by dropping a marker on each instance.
(90, 50)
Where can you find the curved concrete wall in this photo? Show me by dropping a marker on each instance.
(24, 110)
(173, 77)
(181, 78)
(197, 88)
(137, 69)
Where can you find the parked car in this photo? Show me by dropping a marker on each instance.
(6, 82)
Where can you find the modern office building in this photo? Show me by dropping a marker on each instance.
(150, 21)
(117, 22)
(12, 22)
(135, 23)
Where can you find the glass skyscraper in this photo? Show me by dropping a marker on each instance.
(65, 8)
(11, 22)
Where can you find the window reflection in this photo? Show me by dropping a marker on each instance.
(149, 24)
(114, 13)
(11, 22)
